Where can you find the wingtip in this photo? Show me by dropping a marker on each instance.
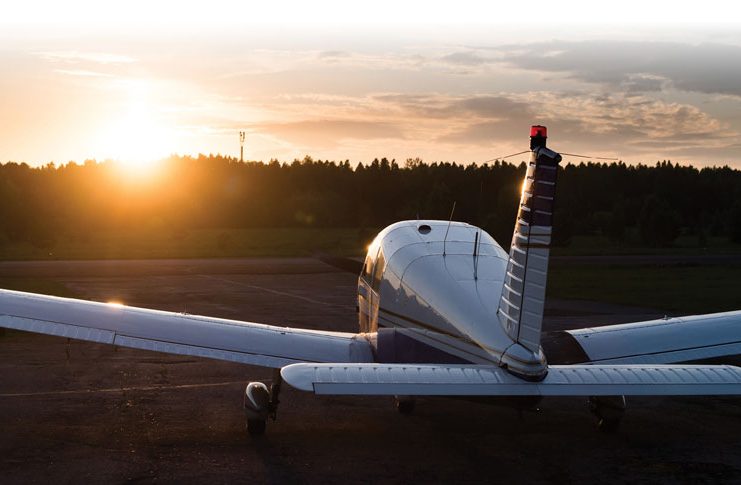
(299, 376)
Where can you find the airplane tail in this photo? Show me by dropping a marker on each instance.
(523, 295)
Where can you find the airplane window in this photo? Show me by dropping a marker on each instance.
(378, 271)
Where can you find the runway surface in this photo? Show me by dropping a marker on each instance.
(73, 412)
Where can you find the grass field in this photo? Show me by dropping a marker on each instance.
(36, 285)
(259, 242)
(683, 245)
(672, 289)
(202, 243)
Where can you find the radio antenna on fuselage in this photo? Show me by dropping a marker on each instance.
(450, 220)
(476, 241)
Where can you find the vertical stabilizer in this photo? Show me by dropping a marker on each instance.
(523, 295)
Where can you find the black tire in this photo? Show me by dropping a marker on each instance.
(256, 427)
(404, 406)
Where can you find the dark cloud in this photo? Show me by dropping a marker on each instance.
(488, 132)
(597, 125)
(333, 55)
(464, 59)
(567, 131)
(492, 107)
(727, 154)
(479, 106)
(637, 66)
(640, 83)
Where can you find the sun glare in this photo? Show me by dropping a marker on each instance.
(137, 137)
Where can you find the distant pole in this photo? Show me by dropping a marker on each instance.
(241, 146)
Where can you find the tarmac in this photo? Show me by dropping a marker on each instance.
(82, 412)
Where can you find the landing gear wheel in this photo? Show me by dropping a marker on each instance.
(256, 427)
(256, 407)
(405, 405)
(261, 404)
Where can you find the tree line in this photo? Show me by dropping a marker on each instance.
(652, 203)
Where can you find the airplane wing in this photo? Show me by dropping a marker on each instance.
(664, 341)
(481, 380)
(175, 333)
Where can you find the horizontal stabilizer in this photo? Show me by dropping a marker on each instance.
(474, 380)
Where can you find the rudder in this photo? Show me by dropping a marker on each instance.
(523, 294)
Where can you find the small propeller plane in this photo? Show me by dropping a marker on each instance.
(443, 311)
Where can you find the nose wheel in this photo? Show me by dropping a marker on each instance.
(261, 404)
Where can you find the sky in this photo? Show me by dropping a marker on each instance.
(457, 81)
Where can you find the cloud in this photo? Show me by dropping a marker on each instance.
(93, 57)
(643, 83)
(329, 132)
(496, 107)
(722, 155)
(487, 132)
(636, 66)
(466, 58)
(623, 124)
(628, 125)
(333, 55)
(82, 73)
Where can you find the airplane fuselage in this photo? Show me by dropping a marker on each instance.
(430, 290)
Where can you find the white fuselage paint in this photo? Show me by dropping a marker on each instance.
(423, 276)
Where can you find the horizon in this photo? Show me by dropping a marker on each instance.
(139, 171)
(438, 85)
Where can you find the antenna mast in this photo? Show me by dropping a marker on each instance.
(445, 240)
(242, 136)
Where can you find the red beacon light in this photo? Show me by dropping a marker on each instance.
(538, 135)
(539, 130)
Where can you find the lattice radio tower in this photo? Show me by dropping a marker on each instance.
(242, 136)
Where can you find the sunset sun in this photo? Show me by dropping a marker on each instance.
(138, 136)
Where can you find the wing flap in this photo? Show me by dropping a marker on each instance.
(209, 353)
(472, 380)
(236, 341)
(58, 329)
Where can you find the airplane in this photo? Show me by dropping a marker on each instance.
(443, 311)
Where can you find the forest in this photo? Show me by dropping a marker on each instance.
(652, 205)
